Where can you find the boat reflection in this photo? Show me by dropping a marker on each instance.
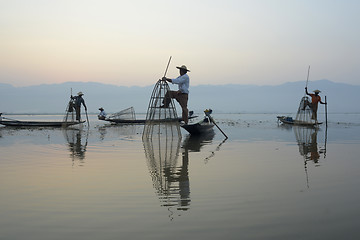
(170, 177)
(77, 140)
(194, 143)
(117, 130)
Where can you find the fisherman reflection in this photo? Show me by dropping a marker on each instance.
(77, 148)
(182, 176)
(307, 142)
(102, 131)
(306, 138)
(313, 148)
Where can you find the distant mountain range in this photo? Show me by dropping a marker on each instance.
(232, 98)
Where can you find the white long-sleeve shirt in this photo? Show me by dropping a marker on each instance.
(102, 114)
(183, 82)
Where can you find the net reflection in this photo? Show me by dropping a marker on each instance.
(306, 138)
(77, 140)
(170, 177)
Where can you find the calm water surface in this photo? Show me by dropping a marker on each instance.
(267, 181)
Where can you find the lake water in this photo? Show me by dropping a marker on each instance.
(266, 181)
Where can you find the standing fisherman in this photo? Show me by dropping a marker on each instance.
(315, 99)
(78, 101)
(182, 95)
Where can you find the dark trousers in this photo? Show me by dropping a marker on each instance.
(77, 110)
(182, 99)
(314, 108)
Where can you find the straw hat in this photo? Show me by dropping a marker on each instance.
(183, 67)
(80, 94)
(317, 91)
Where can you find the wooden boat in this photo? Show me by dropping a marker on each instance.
(127, 116)
(291, 121)
(17, 123)
(139, 121)
(202, 127)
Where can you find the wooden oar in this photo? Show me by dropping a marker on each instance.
(87, 118)
(212, 120)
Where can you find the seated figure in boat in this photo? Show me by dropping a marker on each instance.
(102, 114)
(315, 100)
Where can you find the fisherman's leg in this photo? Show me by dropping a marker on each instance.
(167, 98)
(77, 109)
(185, 115)
(314, 115)
(183, 100)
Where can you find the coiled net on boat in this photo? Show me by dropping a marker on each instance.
(126, 114)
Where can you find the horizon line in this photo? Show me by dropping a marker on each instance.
(194, 85)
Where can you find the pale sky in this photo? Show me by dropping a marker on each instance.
(261, 42)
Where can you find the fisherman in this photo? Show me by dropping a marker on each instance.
(77, 105)
(1, 117)
(102, 114)
(182, 95)
(315, 99)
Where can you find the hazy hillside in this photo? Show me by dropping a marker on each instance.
(283, 98)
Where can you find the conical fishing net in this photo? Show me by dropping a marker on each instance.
(304, 112)
(162, 138)
(70, 114)
(160, 119)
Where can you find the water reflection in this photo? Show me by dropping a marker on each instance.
(306, 138)
(195, 142)
(77, 142)
(170, 177)
(116, 130)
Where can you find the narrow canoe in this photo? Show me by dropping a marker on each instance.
(16, 123)
(291, 121)
(202, 127)
(140, 121)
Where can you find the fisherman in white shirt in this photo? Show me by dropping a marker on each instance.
(182, 95)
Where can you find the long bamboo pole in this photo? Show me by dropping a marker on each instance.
(326, 118)
(87, 118)
(307, 79)
(167, 66)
